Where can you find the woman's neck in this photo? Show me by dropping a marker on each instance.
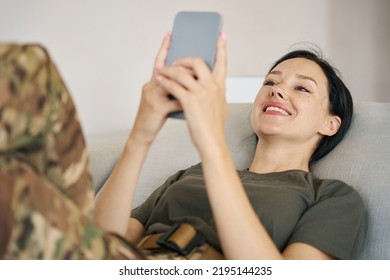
(276, 158)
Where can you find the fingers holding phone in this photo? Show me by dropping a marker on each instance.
(201, 93)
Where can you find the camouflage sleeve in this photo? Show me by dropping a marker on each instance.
(45, 224)
(5, 212)
(46, 189)
(39, 123)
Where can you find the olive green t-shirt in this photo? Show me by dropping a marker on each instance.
(293, 206)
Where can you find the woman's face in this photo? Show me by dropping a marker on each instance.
(293, 102)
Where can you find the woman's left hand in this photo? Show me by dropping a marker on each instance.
(201, 93)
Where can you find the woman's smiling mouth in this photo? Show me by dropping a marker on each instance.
(276, 109)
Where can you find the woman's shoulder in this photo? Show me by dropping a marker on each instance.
(331, 187)
(195, 169)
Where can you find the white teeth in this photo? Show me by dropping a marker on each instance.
(271, 108)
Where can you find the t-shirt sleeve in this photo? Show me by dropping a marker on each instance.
(335, 223)
(143, 212)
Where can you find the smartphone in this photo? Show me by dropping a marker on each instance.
(194, 34)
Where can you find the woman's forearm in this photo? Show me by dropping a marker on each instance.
(241, 233)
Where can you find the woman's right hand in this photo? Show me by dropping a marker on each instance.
(155, 103)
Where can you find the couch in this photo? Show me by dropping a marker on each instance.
(362, 160)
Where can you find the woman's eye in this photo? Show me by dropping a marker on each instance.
(303, 89)
(268, 83)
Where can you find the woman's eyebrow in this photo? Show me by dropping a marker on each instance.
(276, 72)
(299, 76)
(306, 78)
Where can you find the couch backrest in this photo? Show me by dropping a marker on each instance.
(362, 160)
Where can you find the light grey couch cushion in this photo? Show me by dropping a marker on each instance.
(361, 160)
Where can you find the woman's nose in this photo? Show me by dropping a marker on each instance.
(278, 91)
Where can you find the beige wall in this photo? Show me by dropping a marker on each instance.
(359, 43)
(105, 49)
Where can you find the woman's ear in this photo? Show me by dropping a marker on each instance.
(331, 126)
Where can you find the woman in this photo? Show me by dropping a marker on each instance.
(283, 212)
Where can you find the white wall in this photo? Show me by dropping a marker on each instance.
(105, 49)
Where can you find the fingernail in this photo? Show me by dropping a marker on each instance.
(223, 35)
(159, 77)
(158, 65)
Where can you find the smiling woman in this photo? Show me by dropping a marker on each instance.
(300, 113)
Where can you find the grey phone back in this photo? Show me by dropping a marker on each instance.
(195, 34)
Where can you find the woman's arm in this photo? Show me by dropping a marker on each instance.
(135, 232)
(114, 202)
(241, 233)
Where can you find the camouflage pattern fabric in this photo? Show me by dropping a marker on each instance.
(46, 194)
